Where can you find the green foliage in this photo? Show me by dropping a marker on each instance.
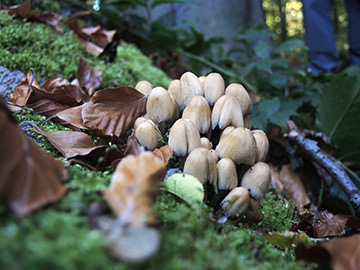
(50, 54)
(339, 115)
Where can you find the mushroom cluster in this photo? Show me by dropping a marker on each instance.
(236, 164)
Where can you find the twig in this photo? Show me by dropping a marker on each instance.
(310, 150)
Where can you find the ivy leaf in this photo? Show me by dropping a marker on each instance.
(338, 115)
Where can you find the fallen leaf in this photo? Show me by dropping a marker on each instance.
(164, 153)
(186, 187)
(133, 147)
(343, 252)
(330, 225)
(133, 189)
(54, 82)
(293, 186)
(21, 10)
(286, 240)
(29, 178)
(129, 243)
(23, 90)
(88, 77)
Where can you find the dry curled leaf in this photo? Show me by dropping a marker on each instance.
(88, 77)
(164, 153)
(293, 186)
(133, 189)
(29, 177)
(342, 252)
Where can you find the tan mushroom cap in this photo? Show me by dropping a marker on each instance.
(184, 137)
(226, 112)
(148, 134)
(236, 202)
(227, 176)
(257, 180)
(198, 111)
(175, 91)
(239, 145)
(205, 142)
(201, 164)
(214, 87)
(190, 86)
(242, 96)
(160, 106)
(144, 87)
(262, 144)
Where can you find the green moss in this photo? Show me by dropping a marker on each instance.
(279, 214)
(50, 54)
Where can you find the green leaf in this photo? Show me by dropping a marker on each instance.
(339, 115)
(187, 187)
(261, 49)
(291, 45)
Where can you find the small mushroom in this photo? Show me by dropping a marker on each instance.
(262, 144)
(239, 145)
(160, 105)
(144, 87)
(227, 176)
(227, 130)
(214, 154)
(236, 202)
(242, 96)
(257, 180)
(227, 111)
(214, 87)
(175, 91)
(148, 134)
(205, 142)
(184, 137)
(202, 79)
(201, 164)
(140, 120)
(189, 82)
(198, 111)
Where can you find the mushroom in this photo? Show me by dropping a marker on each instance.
(227, 111)
(190, 86)
(201, 164)
(205, 142)
(236, 202)
(184, 137)
(198, 111)
(227, 176)
(214, 87)
(148, 134)
(239, 92)
(140, 120)
(239, 145)
(160, 106)
(262, 144)
(175, 91)
(144, 87)
(257, 180)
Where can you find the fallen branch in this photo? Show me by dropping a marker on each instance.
(310, 150)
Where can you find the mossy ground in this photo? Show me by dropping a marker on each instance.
(59, 236)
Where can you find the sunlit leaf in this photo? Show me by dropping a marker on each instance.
(164, 153)
(134, 186)
(286, 240)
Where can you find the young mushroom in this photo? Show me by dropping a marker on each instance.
(201, 164)
(144, 87)
(190, 86)
(239, 92)
(262, 144)
(160, 106)
(227, 176)
(205, 142)
(148, 134)
(214, 87)
(183, 137)
(227, 111)
(175, 91)
(236, 202)
(257, 180)
(239, 145)
(198, 111)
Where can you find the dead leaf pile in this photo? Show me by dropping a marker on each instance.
(25, 13)
(29, 178)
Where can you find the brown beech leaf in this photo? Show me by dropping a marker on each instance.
(23, 90)
(29, 177)
(88, 77)
(22, 10)
(100, 36)
(133, 147)
(54, 82)
(114, 110)
(49, 18)
(293, 186)
(330, 225)
(343, 252)
(164, 153)
(92, 48)
(133, 189)
(70, 143)
(73, 116)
